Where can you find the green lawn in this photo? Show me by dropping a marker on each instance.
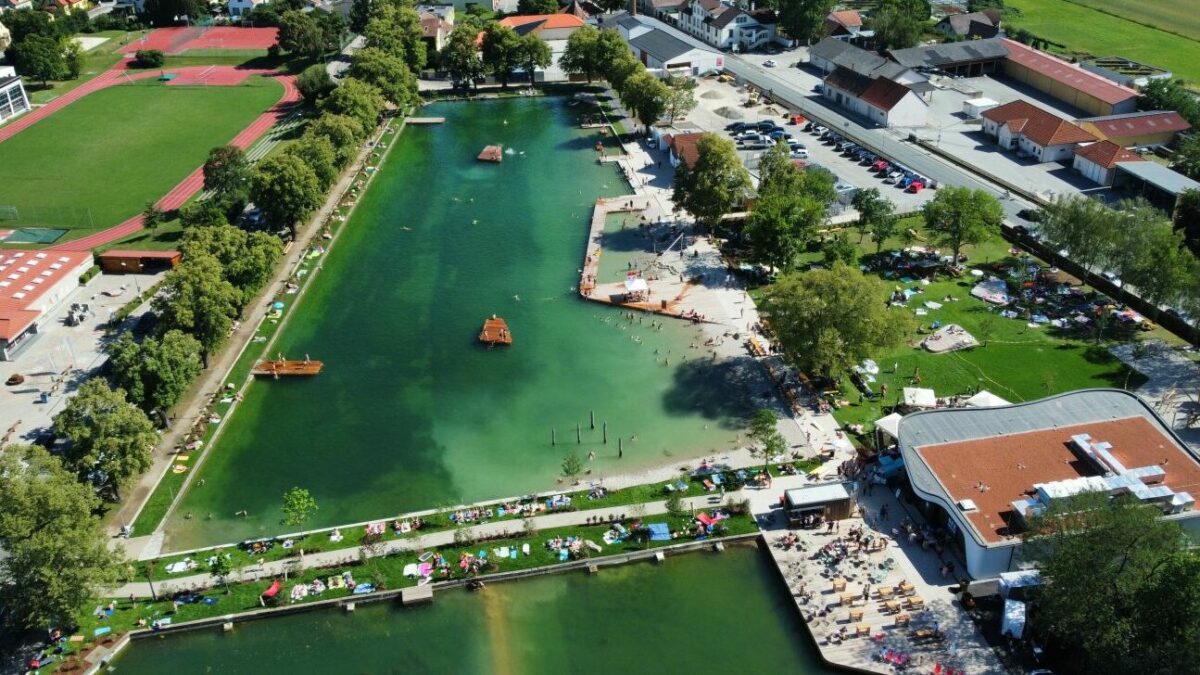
(95, 62)
(118, 148)
(1018, 363)
(1086, 30)
(1173, 16)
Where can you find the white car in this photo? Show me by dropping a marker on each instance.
(770, 63)
(800, 154)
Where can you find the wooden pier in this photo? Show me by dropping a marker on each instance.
(287, 368)
(492, 153)
(425, 120)
(495, 332)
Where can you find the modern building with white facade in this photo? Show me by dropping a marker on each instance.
(33, 284)
(664, 50)
(981, 474)
(882, 101)
(13, 99)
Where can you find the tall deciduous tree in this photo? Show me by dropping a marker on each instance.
(343, 131)
(830, 319)
(198, 300)
(156, 372)
(803, 20)
(681, 97)
(395, 27)
(360, 14)
(622, 67)
(39, 57)
(717, 183)
(227, 173)
(764, 434)
(876, 214)
(579, 56)
(317, 152)
(314, 83)
(537, 6)
(1083, 227)
(1121, 587)
(387, 73)
(286, 189)
(534, 53)
(166, 12)
(960, 215)
(895, 27)
(645, 96)
(501, 51)
(300, 34)
(110, 438)
(460, 56)
(55, 553)
(356, 99)
(1187, 159)
(247, 259)
(786, 214)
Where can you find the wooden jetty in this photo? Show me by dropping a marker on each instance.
(287, 368)
(495, 332)
(425, 120)
(492, 153)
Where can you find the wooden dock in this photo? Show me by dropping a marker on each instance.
(425, 120)
(495, 332)
(287, 368)
(492, 153)
(413, 595)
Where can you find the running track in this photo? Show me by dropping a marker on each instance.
(195, 181)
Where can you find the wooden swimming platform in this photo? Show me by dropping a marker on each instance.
(287, 368)
(492, 153)
(425, 120)
(495, 332)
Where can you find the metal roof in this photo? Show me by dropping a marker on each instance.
(816, 494)
(660, 45)
(951, 53)
(1159, 176)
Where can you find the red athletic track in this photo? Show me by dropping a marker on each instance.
(179, 40)
(195, 181)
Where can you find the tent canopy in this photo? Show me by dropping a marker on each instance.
(635, 285)
(918, 397)
(890, 424)
(986, 399)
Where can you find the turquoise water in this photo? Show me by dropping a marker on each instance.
(410, 411)
(701, 612)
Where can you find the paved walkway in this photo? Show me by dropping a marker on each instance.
(428, 541)
(1172, 385)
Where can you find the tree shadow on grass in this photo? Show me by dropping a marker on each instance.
(719, 390)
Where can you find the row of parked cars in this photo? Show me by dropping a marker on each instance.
(892, 173)
(763, 135)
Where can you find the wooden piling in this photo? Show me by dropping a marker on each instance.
(606, 433)
(578, 438)
(593, 416)
(553, 440)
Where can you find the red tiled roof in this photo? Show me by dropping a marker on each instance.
(884, 93)
(1137, 124)
(1009, 465)
(24, 277)
(548, 21)
(1064, 73)
(1107, 154)
(1042, 127)
(684, 147)
(848, 18)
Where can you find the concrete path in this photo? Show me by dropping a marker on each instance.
(427, 541)
(1172, 384)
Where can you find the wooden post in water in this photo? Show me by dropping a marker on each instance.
(553, 440)
(620, 444)
(606, 433)
(593, 419)
(577, 438)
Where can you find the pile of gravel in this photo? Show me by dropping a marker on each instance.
(729, 113)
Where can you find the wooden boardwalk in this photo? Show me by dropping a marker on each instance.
(424, 120)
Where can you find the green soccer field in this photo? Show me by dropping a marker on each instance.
(98, 161)
(1083, 29)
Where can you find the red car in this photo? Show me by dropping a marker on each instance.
(915, 187)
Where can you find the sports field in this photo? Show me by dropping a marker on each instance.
(1083, 29)
(99, 160)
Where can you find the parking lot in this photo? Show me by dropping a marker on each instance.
(722, 103)
(61, 357)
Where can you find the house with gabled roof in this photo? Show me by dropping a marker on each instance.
(882, 100)
(1098, 161)
(1035, 132)
(726, 26)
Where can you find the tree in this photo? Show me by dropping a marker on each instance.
(317, 152)
(360, 14)
(674, 505)
(199, 301)
(895, 27)
(874, 212)
(1121, 588)
(247, 259)
(1161, 94)
(1187, 159)
(1161, 267)
(623, 67)
(300, 34)
(166, 12)
(645, 96)
(960, 215)
(387, 73)
(149, 58)
(533, 53)
(803, 19)
(839, 250)
(157, 372)
(717, 183)
(1085, 228)
(1187, 217)
(333, 28)
(227, 174)
(26, 22)
(204, 213)
(828, 320)
(572, 467)
(460, 56)
(56, 554)
(786, 214)
(286, 189)
(919, 10)
(40, 58)
(356, 99)
(537, 7)
(343, 132)
(579, 56)
(681, 97)
(395, 27)
(152, 216)
(764, 434)
(501, 51)
(110, 438)
(298, 507)
(221, 568)
(314, 83)
(73, 56)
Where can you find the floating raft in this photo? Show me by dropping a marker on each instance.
(286, 368)
(495, 332)
(492, 153)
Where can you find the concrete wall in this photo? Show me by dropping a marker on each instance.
(911, 111)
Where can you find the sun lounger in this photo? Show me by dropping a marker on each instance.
(862, 629)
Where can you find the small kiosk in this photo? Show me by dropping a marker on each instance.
(817, 503)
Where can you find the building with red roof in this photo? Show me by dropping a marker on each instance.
(1098, 161)
(32, 285)
(880, 99)
(1142, 128)
(1067, 82)
(846, 22)
(1032, 131)
(682, 148)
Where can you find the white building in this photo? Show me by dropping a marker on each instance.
(13, 99)
(1034, 132)
(980, 474)
(1098, 161)
(879, 99)
(33, 284)
(554, 30)
(240, 8)
(664, 50)
(726, 26)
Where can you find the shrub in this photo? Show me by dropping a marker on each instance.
(89, 275)
(149, 58)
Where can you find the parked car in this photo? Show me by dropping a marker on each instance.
(915, 187)
(893, 177)
(780, 135)
(736, 127)
(799, 153)
(846, 147)
(796, 145)
(766, 126)
(749, 136)
(756, 144)
(818, 130)
(880, 165)
(810, 125)
(770, 63)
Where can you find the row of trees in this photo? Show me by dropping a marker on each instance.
(897, 23)
(502, 51)
(1134, 241)
(42, 48)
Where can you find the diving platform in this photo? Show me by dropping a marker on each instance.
(495, 332)
(287, 368)
(492, 153)
(425, 120)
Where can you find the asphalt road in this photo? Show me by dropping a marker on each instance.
(878, 140)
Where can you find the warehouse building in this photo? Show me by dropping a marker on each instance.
(1068, 83)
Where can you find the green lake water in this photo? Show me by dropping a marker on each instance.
(696, 613)
(410, 411)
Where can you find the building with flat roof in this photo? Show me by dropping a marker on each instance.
(32, 285)
(1066, 82)
(1125, 72)
(134, 261)
(1156, 183)
(983, 472)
